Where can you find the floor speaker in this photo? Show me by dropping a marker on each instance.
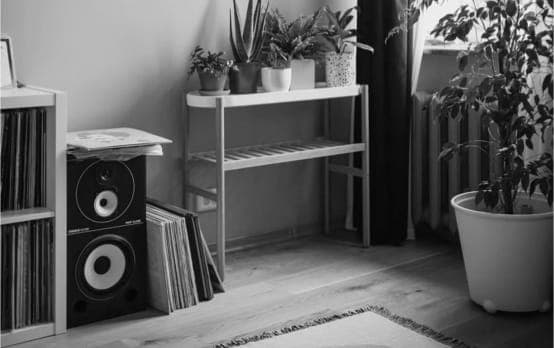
(106, 242)
(105, 274)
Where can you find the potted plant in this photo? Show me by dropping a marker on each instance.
(277, 76)
(246, 43)
(340, 64)
(212, 71)
(298, 40)
(505, 227)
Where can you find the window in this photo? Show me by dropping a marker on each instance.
(434, 13)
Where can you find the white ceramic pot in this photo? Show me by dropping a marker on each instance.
(340, 69)
(303, 74)
(276, 80)
(507, 258)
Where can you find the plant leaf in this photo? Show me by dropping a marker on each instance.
(248, 31)
(361, 45)
(532, 187)
(511, 8)
(239, 40)
(257, 14)
(238, 57)
(463, 59)
(260, 35)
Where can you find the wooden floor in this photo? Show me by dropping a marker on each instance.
(293, 281)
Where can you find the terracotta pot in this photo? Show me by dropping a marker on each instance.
(244, 77)
(212, 82)
(276, 80)
(303, 74)
(340, 69)
(507, 257)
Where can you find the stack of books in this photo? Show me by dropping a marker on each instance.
(181, 271)
(27, 270)
(23, 155)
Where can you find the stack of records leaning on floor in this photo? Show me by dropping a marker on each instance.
(181, 271)
(27, 270)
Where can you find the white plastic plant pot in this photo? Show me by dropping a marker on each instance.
(303, 74)
(507, 258)
(276, 80)
(340, 69)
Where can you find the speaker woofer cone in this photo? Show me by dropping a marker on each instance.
(104, 267)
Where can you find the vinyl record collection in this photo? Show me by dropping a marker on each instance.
(23, 181)
(27, 270)
(181, 271)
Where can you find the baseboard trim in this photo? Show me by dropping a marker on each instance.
(253, 241)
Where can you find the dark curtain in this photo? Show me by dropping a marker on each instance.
(387, 74)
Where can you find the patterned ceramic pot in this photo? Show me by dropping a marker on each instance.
(340, 69)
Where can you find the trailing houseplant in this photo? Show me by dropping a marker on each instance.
(339, 62)
(298, 42)
(505, 227)
(247, 43)
(212, 69)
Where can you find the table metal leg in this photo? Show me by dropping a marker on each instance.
(220, 184)
(365, 168)
(349, 223)
(186, 180)
(326, 173)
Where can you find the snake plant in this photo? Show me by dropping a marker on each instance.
(247, 41)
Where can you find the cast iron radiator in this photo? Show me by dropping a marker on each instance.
(434, 182)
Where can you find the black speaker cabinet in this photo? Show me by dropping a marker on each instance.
(105, 194)
(106, 242)
(105, 274)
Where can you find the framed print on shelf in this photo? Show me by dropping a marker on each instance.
(7, 74)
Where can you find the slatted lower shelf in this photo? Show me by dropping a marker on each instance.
(263, 155)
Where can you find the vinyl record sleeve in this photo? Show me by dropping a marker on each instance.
(112, 138)
(160, 294)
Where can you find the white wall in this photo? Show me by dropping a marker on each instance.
(436, 71)
(124, 63)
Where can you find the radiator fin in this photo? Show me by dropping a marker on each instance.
(435, 182)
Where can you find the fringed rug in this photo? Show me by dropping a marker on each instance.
(367, 327)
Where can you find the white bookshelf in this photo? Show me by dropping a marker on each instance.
(55, 103)
(24, 215)
(225, 160)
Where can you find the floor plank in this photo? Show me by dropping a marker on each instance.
(295, 281)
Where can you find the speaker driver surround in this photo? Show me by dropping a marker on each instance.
(105, 203)
(104, 266)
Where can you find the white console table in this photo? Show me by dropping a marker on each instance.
(261, 155)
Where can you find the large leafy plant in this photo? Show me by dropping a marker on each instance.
(206, 61)
(247, 41)
(493, 79)
(291, 40)
(337, 32)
